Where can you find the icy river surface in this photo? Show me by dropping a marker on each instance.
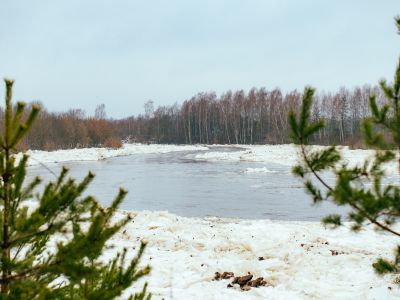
(181, 184)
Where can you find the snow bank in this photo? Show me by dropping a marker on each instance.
(88, 154)
(282, 154)
(301, 260)
(287, 155)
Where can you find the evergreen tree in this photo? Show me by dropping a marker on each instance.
(360, 187)
(51, 244)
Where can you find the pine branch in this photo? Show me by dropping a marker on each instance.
(31, 235)
(373, 220)
(29, 272)
(309, 165)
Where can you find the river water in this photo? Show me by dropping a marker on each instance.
(178, 183)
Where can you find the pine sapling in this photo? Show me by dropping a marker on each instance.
(51, 242)
(360, 188)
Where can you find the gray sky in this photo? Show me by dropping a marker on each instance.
(77, 54)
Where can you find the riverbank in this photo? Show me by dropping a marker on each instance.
(93, 154)
(298, 260)
(281, 154)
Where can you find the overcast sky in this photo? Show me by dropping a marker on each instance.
(77, 54)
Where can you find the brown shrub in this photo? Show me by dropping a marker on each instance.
(112, 142)
(355, 143)
(50, 146)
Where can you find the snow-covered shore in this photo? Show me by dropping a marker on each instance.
(280, 154)
(300, 260)
(287, 155)
(93, 154)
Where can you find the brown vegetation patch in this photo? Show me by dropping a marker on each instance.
(245, 282)
(112, 142)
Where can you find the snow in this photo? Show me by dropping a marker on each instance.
(93, 154)
(282, 154)
(287, 155)
(299, 263)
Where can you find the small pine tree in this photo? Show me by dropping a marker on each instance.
(51, 246)
(375, 203)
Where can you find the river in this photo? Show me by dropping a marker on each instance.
(178, 183)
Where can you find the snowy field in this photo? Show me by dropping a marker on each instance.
(298, 260)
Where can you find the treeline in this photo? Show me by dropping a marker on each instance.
(256, 117)
(71, 129)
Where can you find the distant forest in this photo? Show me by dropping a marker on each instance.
(256, 117)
